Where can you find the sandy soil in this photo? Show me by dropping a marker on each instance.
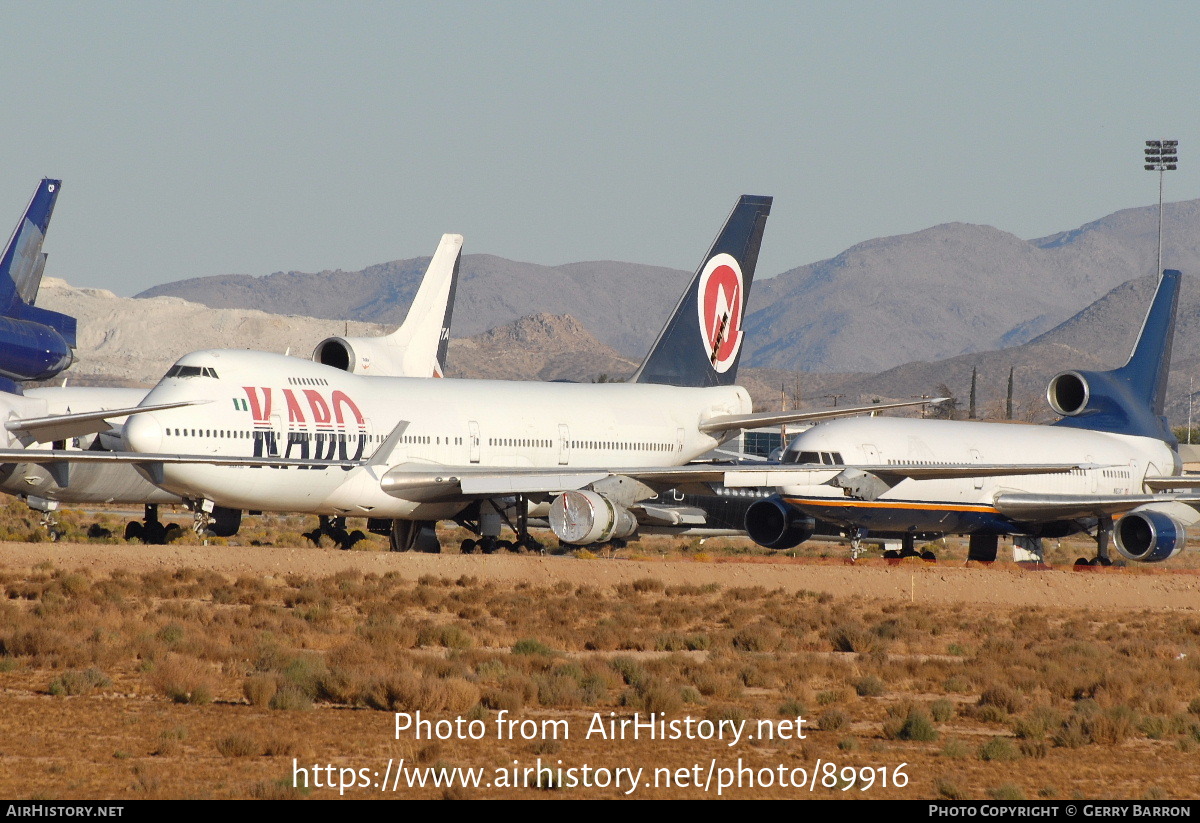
(1134, 588)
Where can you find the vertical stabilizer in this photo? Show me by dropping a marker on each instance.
(701, 344)
(1150, 360)
(1132, 399)
(424, 335)
(22, 265)
(418, 348)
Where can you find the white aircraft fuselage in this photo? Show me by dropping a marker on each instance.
(961, 506)
(265, 405)
(89, 482)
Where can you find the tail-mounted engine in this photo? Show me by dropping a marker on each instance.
(583, 517)
(357, 355)
(1069, 393)
(774, 524)
(1148, 535)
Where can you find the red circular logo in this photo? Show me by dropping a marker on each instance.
(719, 303)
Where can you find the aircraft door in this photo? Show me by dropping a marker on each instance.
(473, 433)
(564, 444)
(276, 437)
(976, 457)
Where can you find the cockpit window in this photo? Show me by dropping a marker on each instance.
(191, 371)
(791, 456)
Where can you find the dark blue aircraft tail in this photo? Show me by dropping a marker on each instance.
(23, 263)
(701, 344)
(1131, 399)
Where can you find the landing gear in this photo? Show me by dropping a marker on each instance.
(150, 530)
(982, 548)
(210, 520)
(47, 509)
(1029, 550)
(335, 529)
(492, 516)
(1104, 527)
(407, 535)
(856, 544)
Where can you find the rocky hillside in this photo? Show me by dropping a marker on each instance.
(929, 295)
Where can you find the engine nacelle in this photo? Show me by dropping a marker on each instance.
(1069, 393)
(774, 524)
(359, 355)
(1149, 536)
(583, 517)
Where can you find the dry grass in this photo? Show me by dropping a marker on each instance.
(191, 683)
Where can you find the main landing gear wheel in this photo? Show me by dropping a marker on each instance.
(406, 536)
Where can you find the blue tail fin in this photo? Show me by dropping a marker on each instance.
(23, 262)
(1150, 360)
(701, 344)
(1131, 399)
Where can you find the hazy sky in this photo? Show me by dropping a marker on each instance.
(253, 137)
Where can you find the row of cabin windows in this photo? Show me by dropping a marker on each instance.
(308, 381)
(621, 446)
(579, 444)
(239, 434)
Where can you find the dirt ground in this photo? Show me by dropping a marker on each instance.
(128, 743)
(1003, 584)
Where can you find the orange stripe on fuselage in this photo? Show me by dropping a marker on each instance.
(890, 504)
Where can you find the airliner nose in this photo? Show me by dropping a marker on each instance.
(143, 433)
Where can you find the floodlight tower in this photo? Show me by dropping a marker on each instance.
(1161, 156)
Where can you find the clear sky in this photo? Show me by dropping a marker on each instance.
(213, 138)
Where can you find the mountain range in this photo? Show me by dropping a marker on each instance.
(938, 293)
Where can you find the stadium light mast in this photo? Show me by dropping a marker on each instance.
(1161, 156)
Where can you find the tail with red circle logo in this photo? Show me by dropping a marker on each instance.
(702, 342)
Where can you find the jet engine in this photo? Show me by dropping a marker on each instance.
(583, 517)
(1149, 535)
(774, 524)
(1069, 393)
(358, 355)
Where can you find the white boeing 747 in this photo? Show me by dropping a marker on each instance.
(265, 432)
(92, 417)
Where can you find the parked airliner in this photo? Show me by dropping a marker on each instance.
(281, 434)
(1112, 424)
(91, 418)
